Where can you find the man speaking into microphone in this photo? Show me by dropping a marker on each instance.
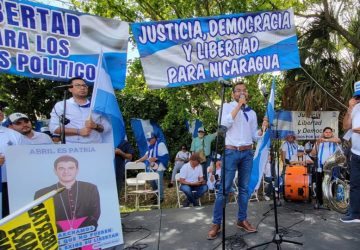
(242, 130)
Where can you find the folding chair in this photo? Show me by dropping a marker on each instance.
(141, 188)
(179, 193)
(131, 182)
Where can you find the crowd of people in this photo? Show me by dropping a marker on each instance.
(199, 169)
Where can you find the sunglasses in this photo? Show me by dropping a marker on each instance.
(357, 97)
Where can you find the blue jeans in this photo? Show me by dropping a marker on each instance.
(188, 191)
(242, 162)
(154, 185)
(355, 186)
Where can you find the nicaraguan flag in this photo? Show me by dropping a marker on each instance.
(282, 125)
(141, 128)
(104, 102)
(193, 127)
(263, 145)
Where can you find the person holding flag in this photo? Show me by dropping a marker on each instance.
(242, 129)
(82, 126)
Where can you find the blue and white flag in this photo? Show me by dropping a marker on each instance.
(205, 49)
(193, 127)
(104, 101)
(263, 146)
(42, 41)
(282, 125)
(141, 128)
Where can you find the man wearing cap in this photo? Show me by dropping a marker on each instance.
(156, 159)
(22, 124)
(192, 181)
(288, 148)
(8, 137)
(242, 129)
(80, 125)
(202, 145)
(324, 147)
(352, 121)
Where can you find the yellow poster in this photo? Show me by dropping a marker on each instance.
(33, 229)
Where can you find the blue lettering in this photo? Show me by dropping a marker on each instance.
(1, 12)
(5, 62)
(27, 16)
(57, 23)
(73, 24)
(12, 14)
(22, 61)
(64, 47)
(23, 42)
(43, 13)
(38, 41)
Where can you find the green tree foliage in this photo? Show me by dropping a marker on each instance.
(30, 96)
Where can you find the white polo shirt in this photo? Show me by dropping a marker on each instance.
(191, 174)
(77, 114)
(242, 130)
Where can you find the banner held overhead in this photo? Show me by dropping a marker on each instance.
(191, 51)
(42, 41)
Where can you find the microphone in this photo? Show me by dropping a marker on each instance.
(224, 82)
(66, 86)
(242, 96)
(263, 90)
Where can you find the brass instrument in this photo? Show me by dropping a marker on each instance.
(336, 192)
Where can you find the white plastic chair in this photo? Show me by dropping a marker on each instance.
(180, 193)
(141, 188)
(131, 182)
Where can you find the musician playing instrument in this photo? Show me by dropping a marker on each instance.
(324, 147)
(300, 158)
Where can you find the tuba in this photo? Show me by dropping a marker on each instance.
(336, 191)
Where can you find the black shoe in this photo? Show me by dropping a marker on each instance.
(170, 185)
(196, 204)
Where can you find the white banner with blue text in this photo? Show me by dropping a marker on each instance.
(190, 51)
(42, 41)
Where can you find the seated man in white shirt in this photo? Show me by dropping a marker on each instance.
(192, 179)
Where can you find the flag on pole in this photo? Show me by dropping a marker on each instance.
(193, 126)
(104, 101)
(263, 146)
(141, 128)
(32, 226)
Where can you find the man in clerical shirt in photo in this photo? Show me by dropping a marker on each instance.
(79, 204)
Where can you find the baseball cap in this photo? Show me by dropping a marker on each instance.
(14, 117)
(201, 129)
(356, 88)
(150, 135)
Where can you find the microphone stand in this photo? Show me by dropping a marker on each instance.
(222, 130)
(278, 238)
(63, 121)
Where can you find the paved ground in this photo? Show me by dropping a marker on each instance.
(186, 228)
